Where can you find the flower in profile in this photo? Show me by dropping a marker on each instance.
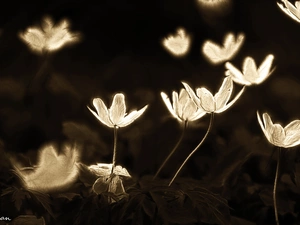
(217, 103)
(217, 54)
(53, 171)
(116, 115)
(286, 137)
(291, 10)
(178, 45)
(104, 169)
(183, 107)
(251, 74)
(50, 37)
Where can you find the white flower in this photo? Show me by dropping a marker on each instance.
(116, 115)
(291, 10)
(53, 172)
(178, 45)
(286, 137)
(104, 169)
(217, 54)
(217, 103)
(251, 74)
(49, 38)
(183, 108)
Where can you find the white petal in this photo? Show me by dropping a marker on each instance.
(250, 70)
(176, 105)
(117, 110)
(207, 100)
(102, 112)
(167, 101)
(192, 94)
(236, 74)
(224, 93)
(262, 125)
(287, 12)
(212, 52)
(232, 101)
(264, 69)
(132, 117)
(293, 9)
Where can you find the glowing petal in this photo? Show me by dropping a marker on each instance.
(206, 99)
(236, 74)
(192, 94)
(264, 69)
(132, 117)
(118, 109)
(102, 112)
(223, 95)
(167, 102)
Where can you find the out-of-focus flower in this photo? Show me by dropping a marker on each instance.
(217, 103)
(108, 182)
(178, 45)
(217, 54)
(286, 137)
(291, 10)
(53, 172)
(251, 74)
(116, 115)
(50, 38)
(183, 108)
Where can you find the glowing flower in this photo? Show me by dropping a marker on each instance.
(286, 137)
(291, 10)
(116, 116)
(49, 38)
(104, 169)
(251, 74)
(53, 172)
(217, 54)
(217, 103)
(179, 44)
(183, 108)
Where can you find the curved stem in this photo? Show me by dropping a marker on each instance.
(190, 155)
(115, 149)
(275, 185)
(173, 150)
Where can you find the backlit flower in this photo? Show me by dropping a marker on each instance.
(291, 10)
(179, 44)
(116, 115)
(286, 137)
(217, 103)
(49, 37)
(183, 107)
(217, 54)
(251, 74)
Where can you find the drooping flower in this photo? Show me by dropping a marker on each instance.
(116, 115)
(251, 74)
(217, 103)
(178, 45)
(49, 37)
(104, 169)
(183, 107)
(286, 137)
(217, 54)
(291, 10)
(53, 171)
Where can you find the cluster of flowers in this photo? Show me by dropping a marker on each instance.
(186, 106)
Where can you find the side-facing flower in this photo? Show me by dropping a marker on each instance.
(291, 10)
(178, 45)
(286, 137)
(217, 103)
(50, 37)
(116, 115)
(217, 54)
(183, 107)
(251, 74)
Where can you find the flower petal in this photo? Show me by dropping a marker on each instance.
(293, 9)
(167, 101)
(118, 109)
(287, 11)
(189, 109)
(207, 100)
(292, 133)
(263, 126)
(197, 115)
(132, 117)
(232, 102)
(192, 94)
(212, 52)
(264, 69)
(250, 70)
(236, 74)
(224, 93)
(102, 112)
(278, 135)
(176, 105)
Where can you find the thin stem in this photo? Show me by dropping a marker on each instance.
(115, 149)
(275, 185)
(173, 150)
(190, 155)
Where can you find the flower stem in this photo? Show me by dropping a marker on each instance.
(115, 149)
(275, 185)
(173, 150)
(190, 155)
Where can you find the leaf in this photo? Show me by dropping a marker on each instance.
(19, 195)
